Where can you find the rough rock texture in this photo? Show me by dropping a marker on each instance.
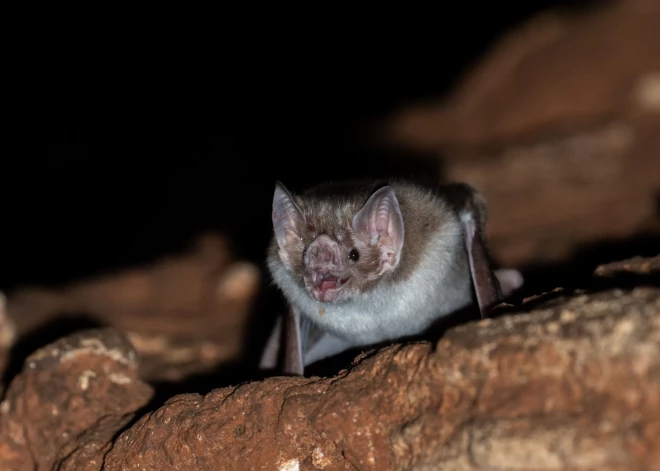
(573, 384)
(71, 399)
(184, 315)
(557, 122)
(637, 266)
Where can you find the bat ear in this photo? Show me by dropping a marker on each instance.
(288, 219)
(379, 223)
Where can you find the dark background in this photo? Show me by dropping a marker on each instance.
(117, 154)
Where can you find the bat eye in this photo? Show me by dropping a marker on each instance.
(354, 255)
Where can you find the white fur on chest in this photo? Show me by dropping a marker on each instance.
(440, 284)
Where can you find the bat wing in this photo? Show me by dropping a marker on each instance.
(486, 284)
(271, 351)
(294, 342)
(471, 209)
(303, 343)
(286, 333)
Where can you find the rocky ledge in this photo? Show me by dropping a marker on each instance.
(564, 381)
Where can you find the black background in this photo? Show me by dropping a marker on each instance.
(122, 150)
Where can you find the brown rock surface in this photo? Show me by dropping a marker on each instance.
(184, 314)
(557, 125)
(637, 266)
(71, 399)
(557, 73)
(571, 384)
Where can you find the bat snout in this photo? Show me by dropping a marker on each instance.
(323, 253)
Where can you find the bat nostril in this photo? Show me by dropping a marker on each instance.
(324, 251)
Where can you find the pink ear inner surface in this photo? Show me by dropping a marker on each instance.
(288, 219)
(379, 223)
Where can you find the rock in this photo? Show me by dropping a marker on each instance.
(185, 314)
(637, 266)
(71, 399)
(572, 385)
(569, 380)
(558, 68)
(559, 112)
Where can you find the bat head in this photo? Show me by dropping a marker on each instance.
(337, 247)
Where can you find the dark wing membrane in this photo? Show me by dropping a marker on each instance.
(470, 207)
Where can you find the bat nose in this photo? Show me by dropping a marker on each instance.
(323, 251)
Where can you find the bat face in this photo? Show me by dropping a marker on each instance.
(338, 254)
(339, 265)
(330, 267)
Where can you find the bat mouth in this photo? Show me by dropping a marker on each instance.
(325, 286)
(326, 281)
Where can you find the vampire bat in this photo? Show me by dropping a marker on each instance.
(362, 263)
